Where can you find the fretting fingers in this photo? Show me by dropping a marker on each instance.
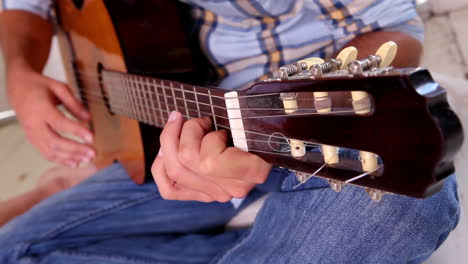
(170, 190)
(191, 137)
(176, 170)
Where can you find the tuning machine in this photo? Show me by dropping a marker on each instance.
(336, 186)
(375, 195)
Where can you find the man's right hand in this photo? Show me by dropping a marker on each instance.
(35, 98)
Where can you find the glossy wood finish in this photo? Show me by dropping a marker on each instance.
(415, 135)
(89, 40)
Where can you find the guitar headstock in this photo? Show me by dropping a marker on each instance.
(351, 121)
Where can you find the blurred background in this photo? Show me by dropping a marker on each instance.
(445, 54)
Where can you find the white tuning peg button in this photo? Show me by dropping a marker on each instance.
(387, 53)
(346, 56)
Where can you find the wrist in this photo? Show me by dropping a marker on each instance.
(18, 68)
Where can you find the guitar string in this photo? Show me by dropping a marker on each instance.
(137, 79)
(284, 154)
(99, 96)
(309, 144)
(129, 76)
(162, 86)
(234, 118)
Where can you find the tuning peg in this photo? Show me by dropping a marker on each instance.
(291, 69)
(346, 56)
(382, 58)
(311, 61)
(387, 53)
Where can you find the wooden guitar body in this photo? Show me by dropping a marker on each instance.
(123, 36)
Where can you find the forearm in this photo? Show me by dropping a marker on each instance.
(409, 49)
(25, 39)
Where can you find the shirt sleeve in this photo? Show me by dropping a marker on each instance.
(38, 7)
(360, 17)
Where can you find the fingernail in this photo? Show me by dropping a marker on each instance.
(173, 116)
(88, 138)
(72, 164)
(90, 154)
(86, 160)
(160, 153)
(85, 114)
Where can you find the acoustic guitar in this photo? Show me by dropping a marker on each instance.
(351, 121)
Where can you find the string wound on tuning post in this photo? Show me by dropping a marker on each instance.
(304, 177)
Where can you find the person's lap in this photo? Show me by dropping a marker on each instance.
(108, 219)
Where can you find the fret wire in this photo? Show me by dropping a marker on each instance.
(253, 108)
(173, 97)
(185, 99)
(124, 93)
(155, 115)
(141, 99)
(165, 99)
(148, 102)
(159, 103)
(214, 96)
(196, 101)
(224, 108)
(127, 93)
(268, 116)
(137, 100)
(137, 104)
(151, 108)
(334, 111)
(145, 100)
(220, 107)
(212, 110)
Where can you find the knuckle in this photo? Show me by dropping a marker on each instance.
(208, 166)
(167, 194)
(154, 168)
(175, 173)
(186, 156)
(191, 123)
(239, 192)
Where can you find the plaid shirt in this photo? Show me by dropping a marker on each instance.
(247, 39)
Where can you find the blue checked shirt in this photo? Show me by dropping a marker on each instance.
(247, 39)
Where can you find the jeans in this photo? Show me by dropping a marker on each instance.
(109, 219)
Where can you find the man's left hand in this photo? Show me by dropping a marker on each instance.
(195, 163)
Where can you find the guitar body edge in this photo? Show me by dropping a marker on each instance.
(89, 42)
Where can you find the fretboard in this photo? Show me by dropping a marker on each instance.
(151, 100)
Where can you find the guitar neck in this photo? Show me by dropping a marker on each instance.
(151, 100)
